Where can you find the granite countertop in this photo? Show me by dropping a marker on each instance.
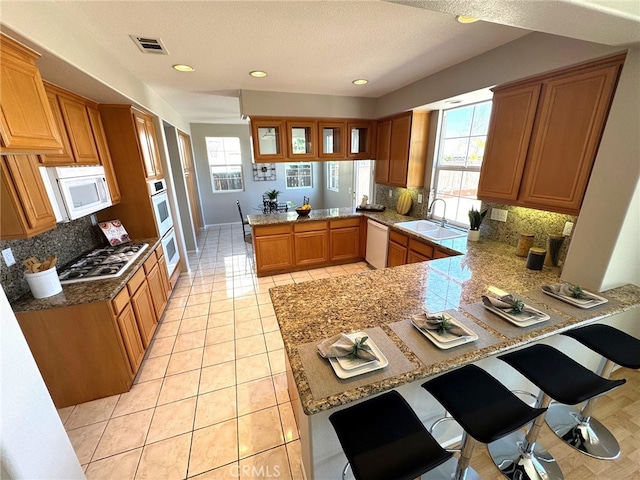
(86, 292)
(313, 311)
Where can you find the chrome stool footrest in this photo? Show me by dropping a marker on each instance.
(589, 437)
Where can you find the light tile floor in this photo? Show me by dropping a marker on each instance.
(210, 400)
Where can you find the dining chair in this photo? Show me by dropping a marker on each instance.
(243, 219)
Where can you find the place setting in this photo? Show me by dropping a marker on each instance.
(514, 310)
(443, 330)
(573, 295)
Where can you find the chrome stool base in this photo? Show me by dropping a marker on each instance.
(447, 471)
(507, 453)
(591, 437)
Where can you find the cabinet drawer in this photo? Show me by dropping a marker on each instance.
(120, 301)
(149, 263)
(345, 222)
(398, 238)
(421, 248)
(271, 230)
(135, 281)
(309, 226)
(159, 252)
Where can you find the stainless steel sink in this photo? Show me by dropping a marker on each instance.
(430, 230)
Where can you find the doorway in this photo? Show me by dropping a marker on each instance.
(362, 181)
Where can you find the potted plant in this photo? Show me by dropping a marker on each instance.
(272, 195)
(475, 219)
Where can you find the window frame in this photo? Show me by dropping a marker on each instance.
(287, 169)
(333, 181)
(232, 169)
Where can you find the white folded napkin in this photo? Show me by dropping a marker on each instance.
(342, 346)
(506, 303)
(439, 324)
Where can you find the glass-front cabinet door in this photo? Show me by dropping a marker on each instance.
(332, 140)
(360, 139)
(268, 138)
(301, 137)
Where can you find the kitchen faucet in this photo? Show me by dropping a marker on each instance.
(444, 211)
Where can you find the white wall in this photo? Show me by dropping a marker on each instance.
(33, 442)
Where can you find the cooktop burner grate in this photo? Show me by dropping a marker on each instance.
(102, 263)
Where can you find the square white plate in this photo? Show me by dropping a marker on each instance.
(363, 368)
(520, 320)
(579, 302)
(447, 340)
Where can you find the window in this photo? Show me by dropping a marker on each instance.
(463, 135)
(333, 176)
(225, 163)
(298, 175)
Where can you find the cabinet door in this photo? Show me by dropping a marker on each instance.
(360, 140)
(25, 209)
(148, 145)
(103, 153)
(65, 157)
(332, 140)
(274, 252)
(269, 140)
(131, 337)
(76, 120)
(437, 253)
(164, 276)
(311, 247)
(26, 121)
(399, 150)
(344, 243)
(145, 312)
(512, 115)
(382, 152)
(158, 291)
(301, 139)
(569, 125)
(397, 255)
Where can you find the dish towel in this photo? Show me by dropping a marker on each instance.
(567, 290)
(439, 324)
(510, 305)
(342, 346)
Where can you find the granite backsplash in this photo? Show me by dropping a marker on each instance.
(68, 241)
(418, 210)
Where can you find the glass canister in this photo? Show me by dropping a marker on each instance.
(554, 243)
(524, 244)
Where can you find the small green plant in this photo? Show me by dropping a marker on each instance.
(517, 306)
(360, 344)
(475, 218)
(272, 194)
(576, 292)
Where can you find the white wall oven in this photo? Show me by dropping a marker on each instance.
(164, 222)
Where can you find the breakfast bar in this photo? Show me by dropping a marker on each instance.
(381, 304)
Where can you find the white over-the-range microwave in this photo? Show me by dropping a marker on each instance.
(75, 192)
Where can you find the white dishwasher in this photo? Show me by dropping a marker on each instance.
(377, 244)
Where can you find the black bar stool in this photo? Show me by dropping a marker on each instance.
(483, 407)
(559, 378)
(383, 439)
(576, 427)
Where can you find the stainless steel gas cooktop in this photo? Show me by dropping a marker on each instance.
(103, 263)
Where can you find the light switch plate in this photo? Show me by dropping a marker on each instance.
(499, 214)
(390, 193)
(419, 198)
(568, 228)
(7, 254)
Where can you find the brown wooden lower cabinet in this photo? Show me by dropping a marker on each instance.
(397, 255)
(94, 350)
(274, 253)
(403, 250)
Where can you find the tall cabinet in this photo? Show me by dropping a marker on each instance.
(186, 158)
(544, 134)
(133, 147)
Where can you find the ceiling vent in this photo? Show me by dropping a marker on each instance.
(150, 45)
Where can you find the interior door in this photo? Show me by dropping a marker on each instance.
(362, 181)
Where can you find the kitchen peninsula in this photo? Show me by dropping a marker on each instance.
(381, 303)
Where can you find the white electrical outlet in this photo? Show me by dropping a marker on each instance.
(568, 228)
(419, 198)
(499, 214)
(7, 254)
(390, 193)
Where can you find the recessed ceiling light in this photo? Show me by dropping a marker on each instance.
(183, 68)
(360, 81)
(465, 19)
(258, 74)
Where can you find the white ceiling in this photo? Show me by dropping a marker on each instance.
(314, 46)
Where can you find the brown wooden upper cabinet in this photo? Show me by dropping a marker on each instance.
(26, 120)
(148, 144)
(301, 139)
(332, 140)
(402, 149)
(361, 139)
(544, 134)
(269, 139)
(72, 119)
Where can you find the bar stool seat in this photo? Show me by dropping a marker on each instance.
(576, 427)
(559, 378)
(383, 439)
(483, 407)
